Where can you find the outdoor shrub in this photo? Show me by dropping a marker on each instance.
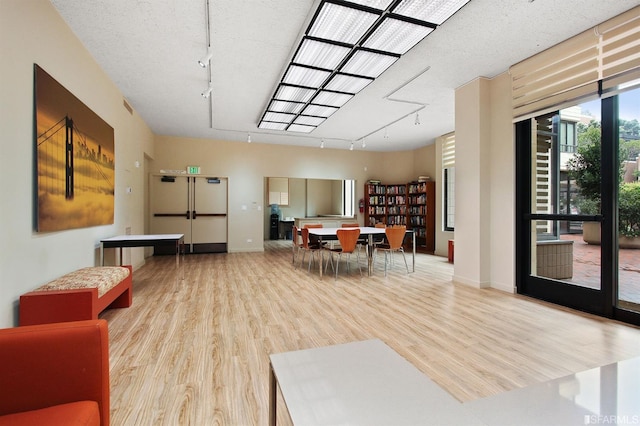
(629, 209)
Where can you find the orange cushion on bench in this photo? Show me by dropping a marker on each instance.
(101, 277)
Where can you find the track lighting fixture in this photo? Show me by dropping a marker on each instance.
(417, 122)
(322, 144)
(204, 62)
(207, 92)
(364, 144)
(386, 133)
(248, 137)
(351, 147)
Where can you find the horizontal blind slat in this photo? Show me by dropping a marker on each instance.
(620, 79)
(573, 46)
(583, 62)
(624, 18)
(558, 89)
(449, 151)
(567, 80)
(559, 100)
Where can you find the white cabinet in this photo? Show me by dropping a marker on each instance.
(195, 206)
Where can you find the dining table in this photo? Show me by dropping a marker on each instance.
(331, 234)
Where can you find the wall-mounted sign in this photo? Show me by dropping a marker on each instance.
(193, 170)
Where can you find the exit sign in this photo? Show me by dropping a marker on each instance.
(193, 170)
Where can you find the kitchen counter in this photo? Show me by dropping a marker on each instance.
(327, 221)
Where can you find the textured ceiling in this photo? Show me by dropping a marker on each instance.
(150, 49)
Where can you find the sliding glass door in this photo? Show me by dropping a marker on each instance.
(571, 196)
(628, 201)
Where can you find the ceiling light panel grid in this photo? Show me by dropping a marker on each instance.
(396, 36)
(308, 120)
(268, 125)
(342, 24)
(347, 83)
(319, 110)
(305, 76)
(347, 45)
(435, 11)
(283, 106)
(368, 63)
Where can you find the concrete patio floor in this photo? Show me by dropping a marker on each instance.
(586, 269)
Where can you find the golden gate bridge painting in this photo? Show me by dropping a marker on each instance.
(75, 156)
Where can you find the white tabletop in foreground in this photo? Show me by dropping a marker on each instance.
(607, 395)
(362, 383)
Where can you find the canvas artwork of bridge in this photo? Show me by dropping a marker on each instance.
(75, 160)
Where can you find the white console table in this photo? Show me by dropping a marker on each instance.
(148, 240)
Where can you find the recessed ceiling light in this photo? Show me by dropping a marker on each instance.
(346, 46)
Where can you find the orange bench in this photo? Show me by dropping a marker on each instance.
(79, 295)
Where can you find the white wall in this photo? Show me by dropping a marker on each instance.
(320, 203)
(472, 184)
(485, 185)
(503, 186)
(33, 32)
(247, 165)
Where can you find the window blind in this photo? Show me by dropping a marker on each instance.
(449, 180)
(620, 49)
(572, 70)
(449, 151)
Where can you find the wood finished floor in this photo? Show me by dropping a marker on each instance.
(195, 351)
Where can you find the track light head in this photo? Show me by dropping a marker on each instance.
(207, 92)
(204, 62)
(351, 147)
(417, 122)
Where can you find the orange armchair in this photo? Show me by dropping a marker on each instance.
(55, 374)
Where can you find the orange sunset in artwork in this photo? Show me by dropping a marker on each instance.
(75, 160)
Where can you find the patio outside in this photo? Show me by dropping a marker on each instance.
(586, 270)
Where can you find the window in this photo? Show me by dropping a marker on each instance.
(347, 197)
(449, 182)
(567, 136)
(449, 198)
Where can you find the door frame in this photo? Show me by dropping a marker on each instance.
(597, 301)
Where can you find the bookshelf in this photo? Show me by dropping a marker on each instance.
(421, 214)
(396, 205)
(375, 204)
(411, 204)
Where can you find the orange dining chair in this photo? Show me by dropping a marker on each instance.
(314, 239)
(348, 238)
(377, 239)
(362, 242)
(395, 237)
(308, 247)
